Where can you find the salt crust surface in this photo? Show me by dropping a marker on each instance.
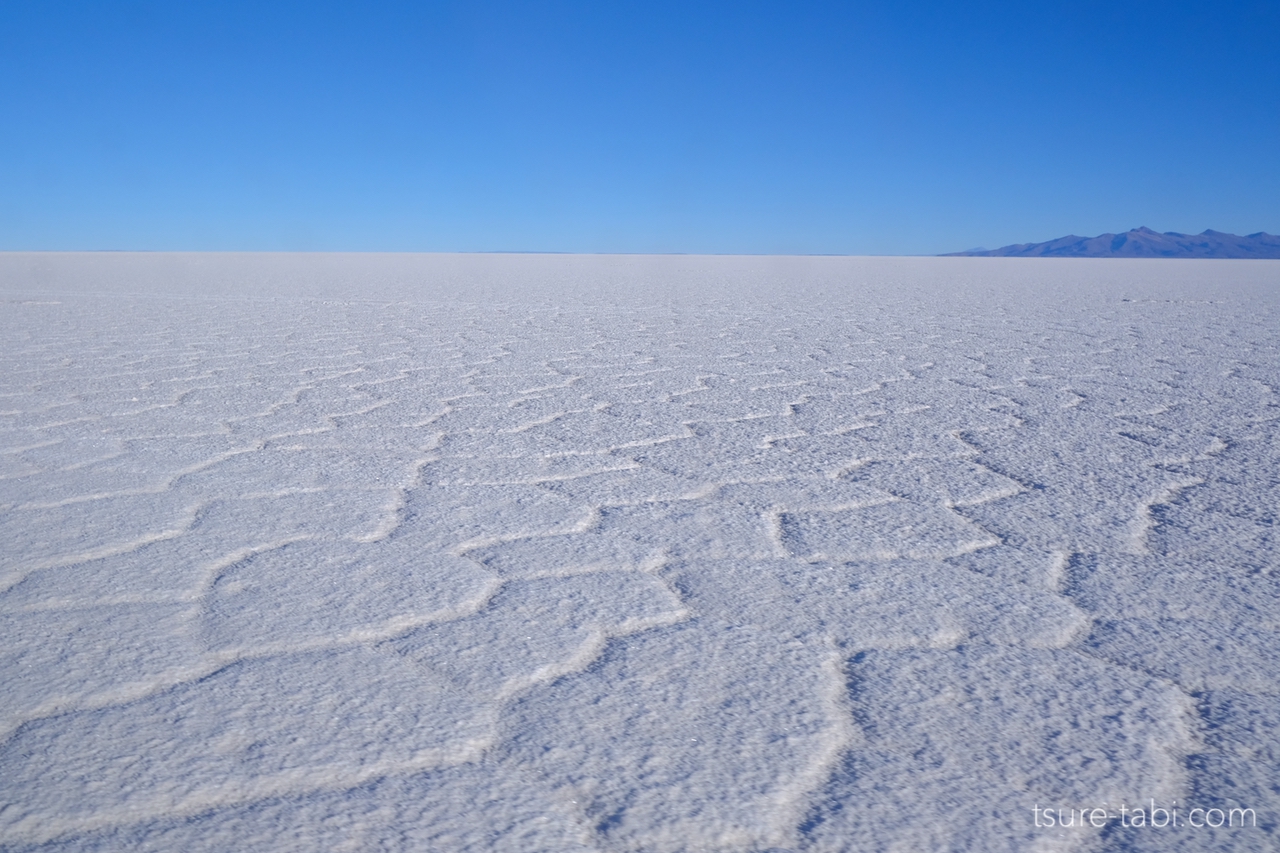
(563, 553)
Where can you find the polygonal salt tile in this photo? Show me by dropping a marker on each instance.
(469, 516)
(260, 728)
(1196, 654)
(308, 593)
(960, 747)
(571, 553)
(85, 530)
(882, 532)
(880, 605)
(465, 809)
(703, 736)
(56, 660)
(537, 630)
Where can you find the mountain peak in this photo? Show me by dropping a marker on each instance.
(1143, 242)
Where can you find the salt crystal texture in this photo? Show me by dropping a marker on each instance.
(568, 553)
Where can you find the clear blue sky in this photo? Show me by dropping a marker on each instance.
(861, 128)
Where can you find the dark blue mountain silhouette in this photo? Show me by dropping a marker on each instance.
(1142, 243)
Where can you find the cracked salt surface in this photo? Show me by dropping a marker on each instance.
(558, 553)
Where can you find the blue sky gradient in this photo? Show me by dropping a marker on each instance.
(846, 128)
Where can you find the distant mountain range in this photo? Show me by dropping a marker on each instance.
(1142, 243)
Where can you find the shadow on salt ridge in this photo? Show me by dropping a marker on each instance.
(1122, 586)
(1193, 528)
(1195, 654)
(1236, 769)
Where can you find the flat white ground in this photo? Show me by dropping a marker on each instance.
(561, 553)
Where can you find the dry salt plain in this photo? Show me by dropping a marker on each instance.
(557, 553)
